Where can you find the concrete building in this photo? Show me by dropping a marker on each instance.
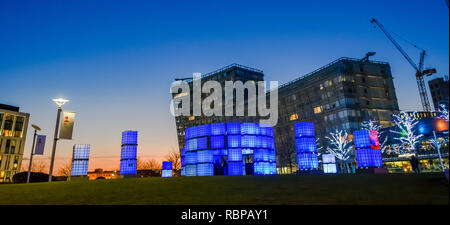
(339, 95)
(439, 89)
(13, 133)
(233, 72)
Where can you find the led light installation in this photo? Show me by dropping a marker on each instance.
(221, 148)
(329, 163)
(368, 152)
(80, 160)
(128, 152)
(306, 146)
(166, 169)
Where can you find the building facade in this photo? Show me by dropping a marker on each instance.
(439, 89)
(340, 96)
(13, 132)
(233, 72)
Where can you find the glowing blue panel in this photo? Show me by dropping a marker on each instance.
(273, 168)
(167, 165)
(369, 158)
(304, 129)
(307, 161)
(220, 152)
(81, 151)
(328, 158)
(306, 144)
(166, 173)
(197, 143)
(79, 167)
(204, 156)
(128, 166)
(234, 141)
(183, 171)
(128, 152)
(262, 168)
(261, 155)
(233, 128)
(204, 130)
(191, 158)
(329, 168)
(234, 155)
(235, 168)
(205, 169)
(218, 129)
(271, 143)
(217, 142)
(249, 128)
(248, 141)
(361, 138)
(129, 137)
(183, 157)
(191, 170)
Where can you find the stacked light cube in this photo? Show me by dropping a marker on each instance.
(206, 145)
(367, 146)
(80, 160)
(329, 163)
(166, 169)
(183, 162)
(128, 152)
(306, 146)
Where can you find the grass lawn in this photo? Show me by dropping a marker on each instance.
(285, 189)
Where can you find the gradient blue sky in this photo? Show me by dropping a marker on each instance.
(115, 60)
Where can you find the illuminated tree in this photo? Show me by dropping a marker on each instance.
(443, 112)
(340, 146)
(406, 125)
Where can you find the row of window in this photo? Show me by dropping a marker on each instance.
(8, 122)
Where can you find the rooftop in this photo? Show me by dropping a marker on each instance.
(9, 107)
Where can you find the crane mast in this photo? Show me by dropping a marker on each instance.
(419, 68)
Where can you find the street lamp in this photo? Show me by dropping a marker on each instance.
(36, 129)
(59, 102)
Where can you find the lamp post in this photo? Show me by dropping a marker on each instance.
(36, 129)
(59, 102)
(439, 152)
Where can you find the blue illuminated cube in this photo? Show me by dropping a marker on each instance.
(262, 168)
(129, 137)
(205, 156)
(128, 166)
(235, 168)
(361, 138)
(235, 154)
(234, 141)
(248, 141)
(167, 165)
(218, 129)
(307, 161)
(205, 169)
(166, 173)
(261, 155)
(306, 144)
(249, 128)
(369, 158)
(304, 129)
(329, 168)
(79, 168)
(328, 158)
(191, 158)
(233, 128)
(191, 170)
(217, 141)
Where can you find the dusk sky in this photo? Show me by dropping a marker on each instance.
(115, 60)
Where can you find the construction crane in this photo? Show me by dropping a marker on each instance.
(420, 73)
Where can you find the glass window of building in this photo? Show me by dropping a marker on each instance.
(18, 127)
(1, 120)
(293, 116)
(10, 147)
(7, 127)
(317, 109)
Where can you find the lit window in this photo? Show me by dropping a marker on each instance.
(317, 109)
(192, 118)
(293, 116)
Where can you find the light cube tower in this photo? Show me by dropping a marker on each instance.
(128, 153)
(368, 154)
(166, 169)
(306, 146)
(80, 160)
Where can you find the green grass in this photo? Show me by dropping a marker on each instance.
(319, 189)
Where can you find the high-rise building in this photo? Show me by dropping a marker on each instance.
(439, 89)
(128, 155)
(233, 72)
(339, 95)
(13, 132)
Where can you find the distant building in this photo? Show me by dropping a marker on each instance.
(13, 132)
(339, 95)
(101, 174)
(233, 72)
(439, 89)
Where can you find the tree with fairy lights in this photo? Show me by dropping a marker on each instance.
(340, 146)
(443, 112)
(373, 125)
(406, 124)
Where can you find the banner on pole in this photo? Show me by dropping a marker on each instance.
(40, 144)
(65, 132)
